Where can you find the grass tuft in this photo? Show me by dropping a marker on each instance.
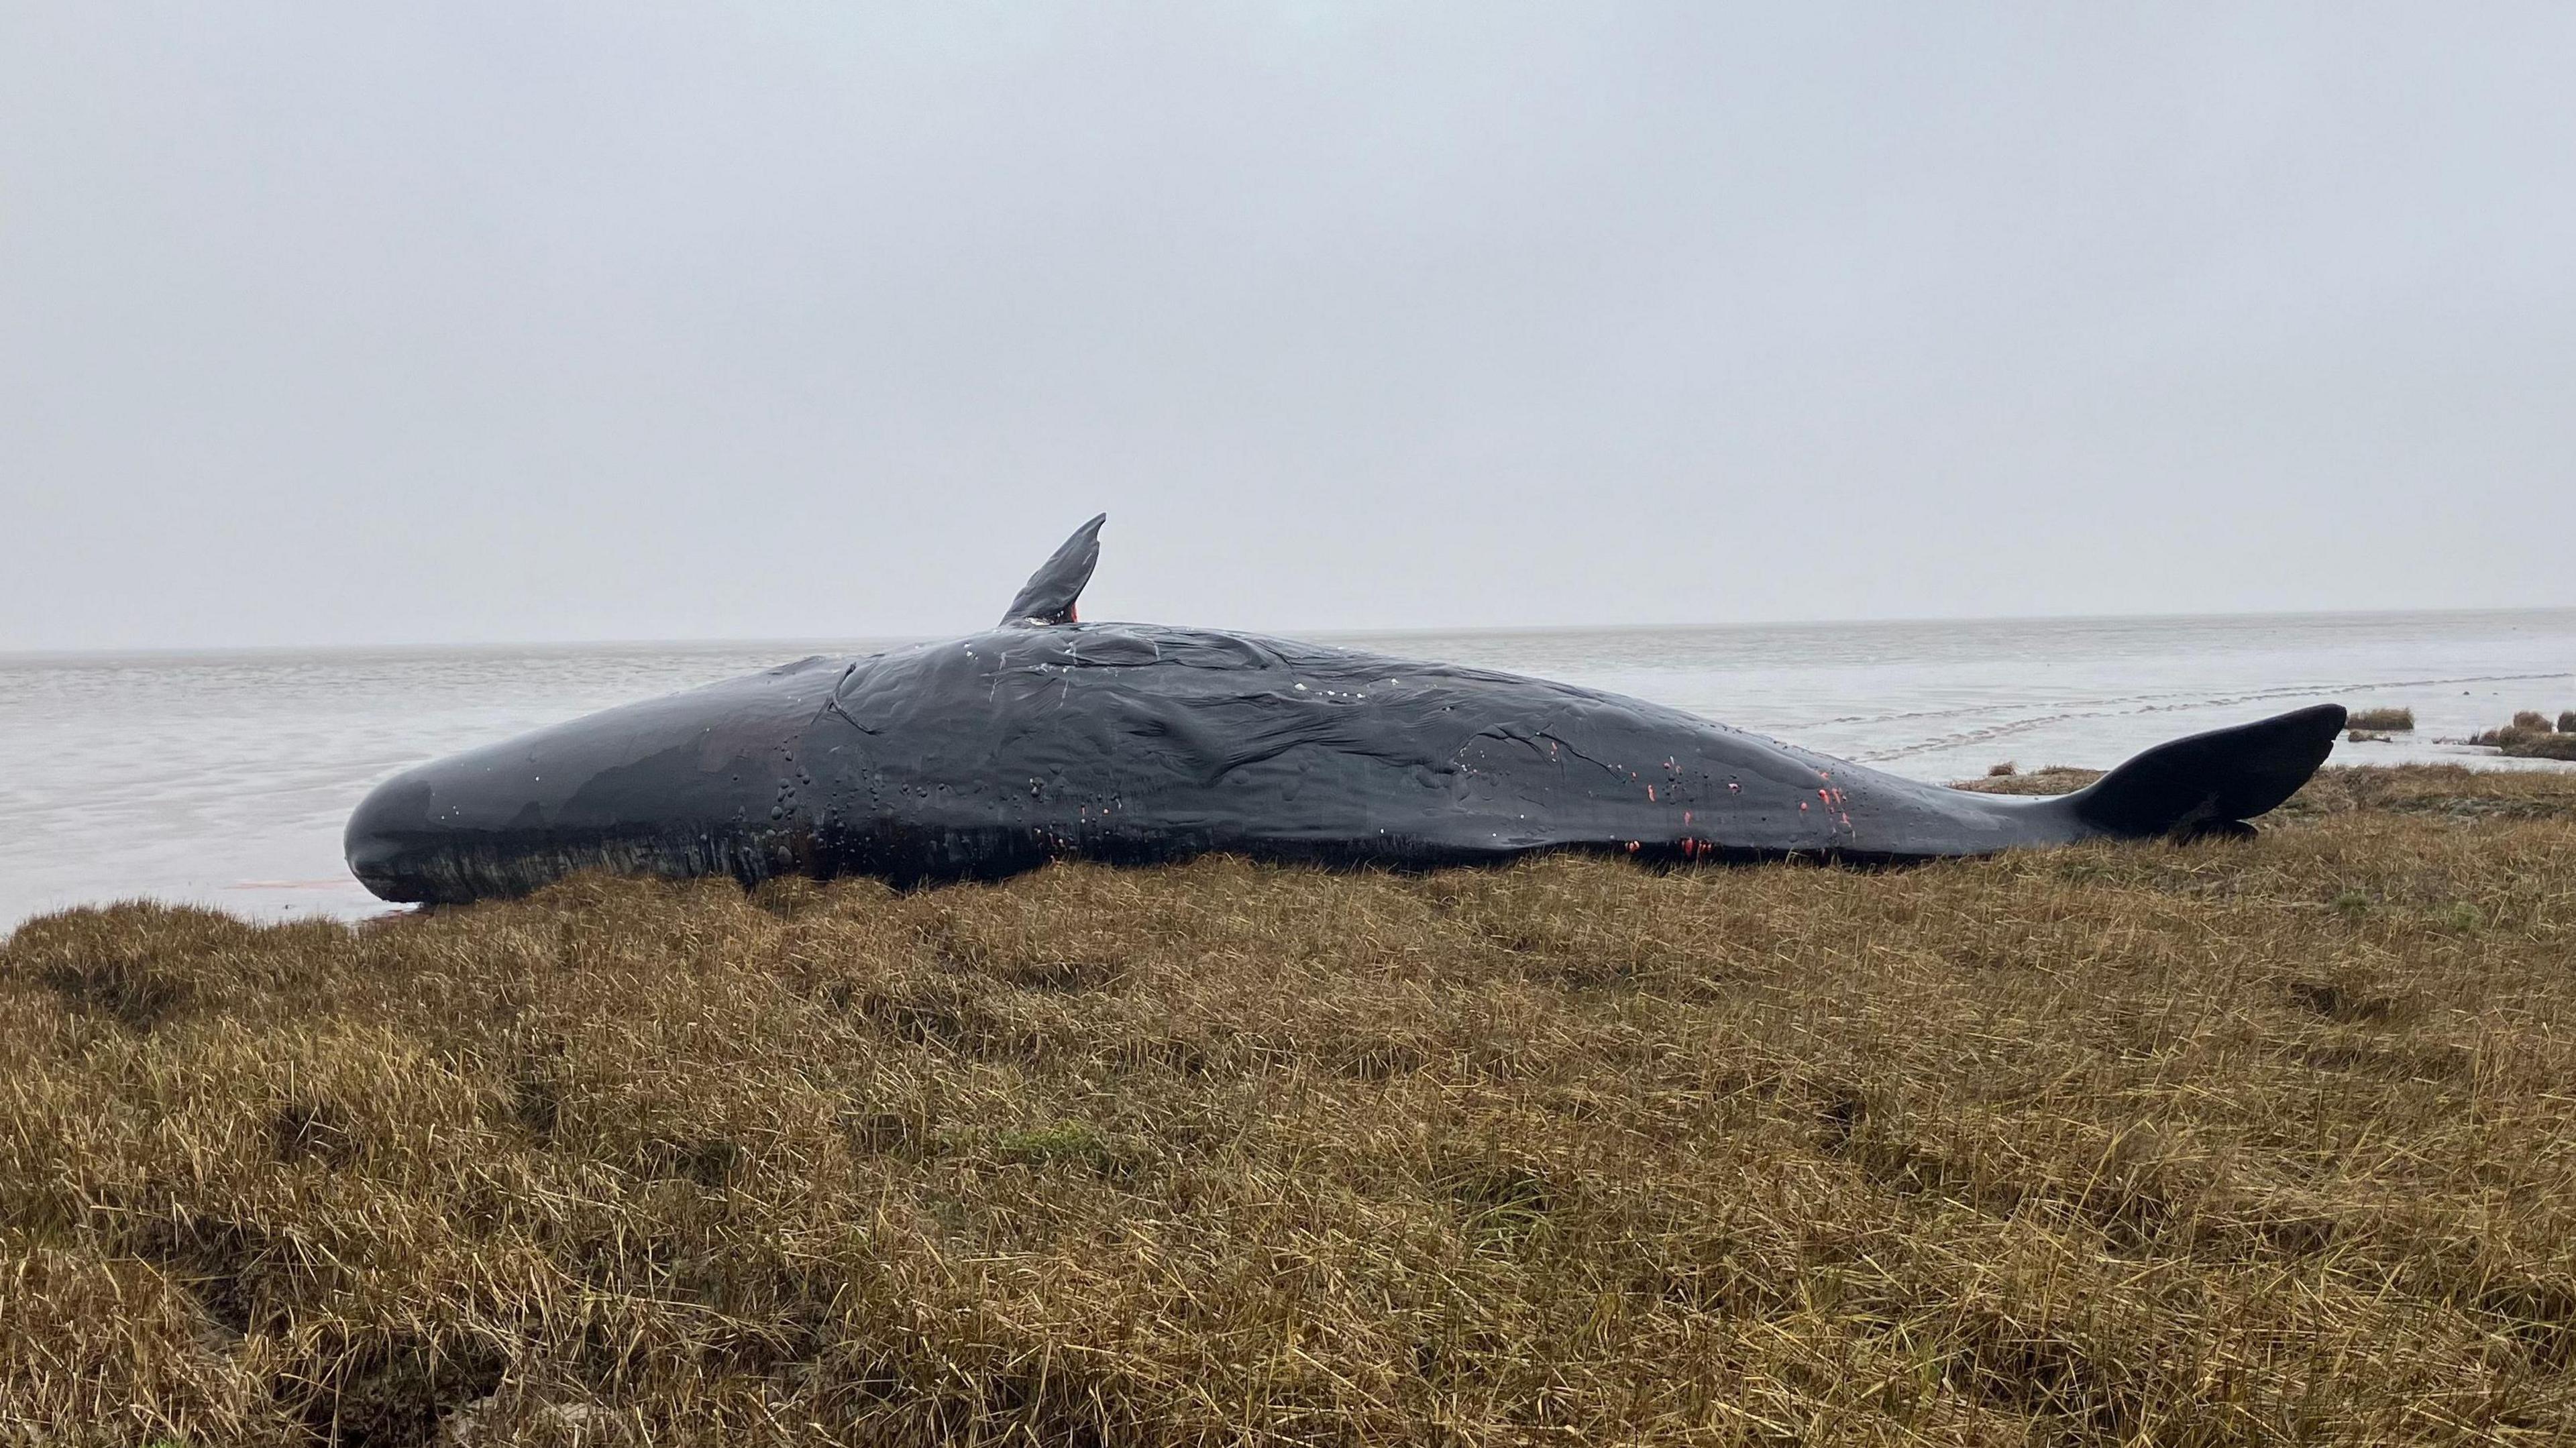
(2055, 779)
(2530, 736)
(2382, 721)
(2230, 1142)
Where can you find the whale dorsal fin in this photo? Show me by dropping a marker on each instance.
(1049, 594)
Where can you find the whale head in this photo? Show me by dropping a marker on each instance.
(696, 783)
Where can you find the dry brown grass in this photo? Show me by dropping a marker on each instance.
(2055, 779)
(2224, 1143)
(2382, 721)
(2530, 736)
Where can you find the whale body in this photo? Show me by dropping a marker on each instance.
(1050, 738)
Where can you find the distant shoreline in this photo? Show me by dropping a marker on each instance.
(2565, 613)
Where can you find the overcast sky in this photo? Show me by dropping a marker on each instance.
(378, 323)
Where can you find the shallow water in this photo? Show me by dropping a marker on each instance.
(224, 778)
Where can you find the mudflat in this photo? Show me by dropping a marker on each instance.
(2227, 1142)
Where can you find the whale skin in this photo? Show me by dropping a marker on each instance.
(1050, 738)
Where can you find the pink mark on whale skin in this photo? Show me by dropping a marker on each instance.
(1650, 794)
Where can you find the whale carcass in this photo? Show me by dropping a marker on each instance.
(1048, 738)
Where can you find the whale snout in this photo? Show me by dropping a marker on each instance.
(635, 790)
(419, 836)
(697, 783)
(387, 834)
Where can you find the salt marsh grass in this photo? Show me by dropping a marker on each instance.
(2218, 1143)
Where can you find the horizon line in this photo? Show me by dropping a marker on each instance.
(1416, 630)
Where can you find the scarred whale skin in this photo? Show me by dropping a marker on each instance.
(1132, 743)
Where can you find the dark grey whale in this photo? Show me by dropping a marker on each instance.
(1049, 738)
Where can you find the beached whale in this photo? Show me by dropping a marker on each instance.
(1048, 738)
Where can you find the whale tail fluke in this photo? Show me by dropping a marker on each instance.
(2211, 783)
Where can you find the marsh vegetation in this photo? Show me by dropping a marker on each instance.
(2219, 1143)
(2530, 736)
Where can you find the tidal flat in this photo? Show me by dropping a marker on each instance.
(2230, 1142)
